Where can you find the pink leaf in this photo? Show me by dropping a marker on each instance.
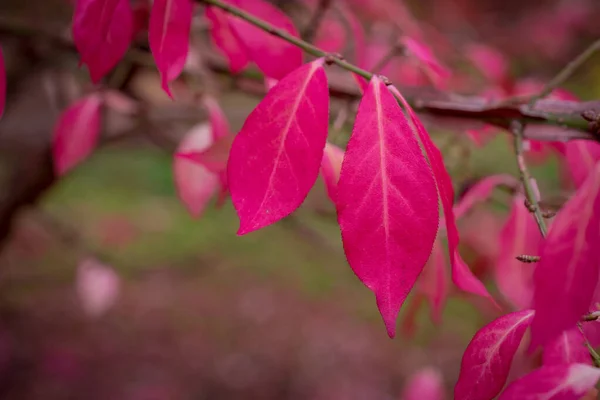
(76, 133)
(214, 157)
(520, 235)
(554, 382)
(490, 62)
(272, 55)
(195, 184)
(433, 67)
(97, 286)
(425, 384)
(2, 84)
(275, 159)
(481, 191)
(567, 348)
(433, 282)
(169, 37)
(566, 276)
(224, 39)
(462, 276)
(331, 167)
(102, 32)
(387, 202)
(581, 157)
(486, 362)
(218, 121)
(270, 83)
(362, 83)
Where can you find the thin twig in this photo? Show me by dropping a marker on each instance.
(593, 354)
(315, 22)
(526, 179)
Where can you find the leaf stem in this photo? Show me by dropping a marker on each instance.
(526, 178)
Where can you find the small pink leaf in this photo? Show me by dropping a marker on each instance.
(581, 156)
(387, 202)
(490, 62)
(425, 384)
(433, 282)
(486, 362)
(566, 276)
(567, 348)
(433, 67)
(169, 37)
(270, 83)
(97, 287)
(214, 157)
(76, 133)
(218, 121)
(272, 55)
(554, 382)
(520, 235)
(2, 83)
(224, 39)
(462, 276)
(331, 167)
(275, 159)
(102, 32)
(195, 184)
(481, 191)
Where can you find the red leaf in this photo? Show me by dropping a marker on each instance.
(433, 282)
(331, 167)
(520, 235)
(272, 55)
(102, 32)
(462, 276)
(387, 202)
(554, 382)
(566, 276)
(425, 384)
(481, 191)
(169, 37)
(2, 83)
(275, 159)
(224, 39)
(488, 357)
(567, 348)
(76, 133)
(581, 157)
(195, 184)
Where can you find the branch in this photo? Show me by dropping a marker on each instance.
(563, 114)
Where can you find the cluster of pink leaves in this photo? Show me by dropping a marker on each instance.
(386, 185)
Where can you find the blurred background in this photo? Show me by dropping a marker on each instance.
(110, 289)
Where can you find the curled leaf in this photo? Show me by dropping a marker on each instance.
(275, 159)
(76, 133)
(169, 37)
(554, 382)
(195, 184)
(520, 235)
(486, 362)
(331, 168)
(102, 32)
(386, 202)
(566, 276)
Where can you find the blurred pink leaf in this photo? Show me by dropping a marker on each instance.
(2, 83)
(102, 32)
(567, 348)
(486, 362)
(490, 62)
(520, 235)
(97, 287)
(169, 37)
(275, 159)
(566, 276)
(554, 382)
(433, 282)
(217, 119)
(580, 157)
(214, 158)
(272, 55)
(270, 83)
(119, 102)
(480, 192)
(425, 56)
(425, 384)
(387, 202)
(331, 167)
(76, 133)
(225, 40)
(195, 184)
